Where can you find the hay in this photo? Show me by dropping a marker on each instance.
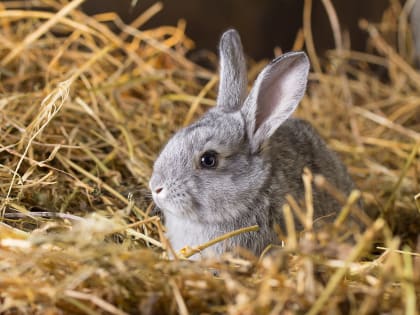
(83, 113)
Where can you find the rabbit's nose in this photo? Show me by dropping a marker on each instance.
(156, 184)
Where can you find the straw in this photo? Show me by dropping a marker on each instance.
(86, 104)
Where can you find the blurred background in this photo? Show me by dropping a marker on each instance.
(264, 24)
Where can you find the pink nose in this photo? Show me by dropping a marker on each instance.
(158, 190)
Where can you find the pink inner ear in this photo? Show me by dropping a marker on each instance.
(268, 99)
(281, 89)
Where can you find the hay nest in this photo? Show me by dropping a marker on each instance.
(83, 113)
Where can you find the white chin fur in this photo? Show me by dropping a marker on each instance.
(183, 232)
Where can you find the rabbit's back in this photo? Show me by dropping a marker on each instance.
(297, 145)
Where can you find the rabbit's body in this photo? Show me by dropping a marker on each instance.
(261, 204)
(297, 143)
(234, 167)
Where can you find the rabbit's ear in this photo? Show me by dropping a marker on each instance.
(233, 76)
(275, 95)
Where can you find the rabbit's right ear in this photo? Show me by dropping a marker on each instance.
(233, 76)
(275, 95)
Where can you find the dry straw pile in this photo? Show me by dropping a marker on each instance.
(83, 113)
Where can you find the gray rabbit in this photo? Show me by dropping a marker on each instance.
(234, 166)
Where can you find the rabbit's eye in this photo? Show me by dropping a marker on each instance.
(208, 159)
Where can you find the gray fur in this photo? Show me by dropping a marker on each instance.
(415, 29)
(262, 153)
(233, 77)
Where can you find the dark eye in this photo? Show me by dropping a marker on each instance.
(208, 159)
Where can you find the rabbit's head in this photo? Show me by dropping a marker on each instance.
(215, 170)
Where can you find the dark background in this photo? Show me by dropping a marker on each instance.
(263, 24)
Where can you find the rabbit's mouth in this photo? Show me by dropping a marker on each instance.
(175, 204)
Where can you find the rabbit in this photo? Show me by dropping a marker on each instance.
(415, 30)
(234, 166)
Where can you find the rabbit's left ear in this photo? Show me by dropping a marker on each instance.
(275, 95)
(233, 76)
